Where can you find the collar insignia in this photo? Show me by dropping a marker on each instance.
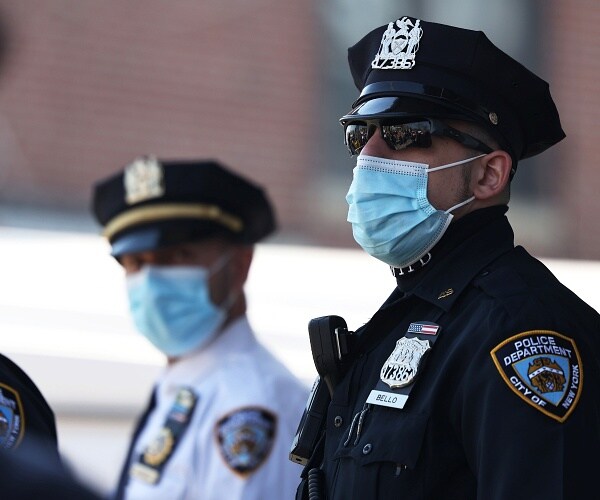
(544, 369)
(399, 45)
(143, 180)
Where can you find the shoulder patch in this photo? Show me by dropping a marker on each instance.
(12, 419)
(245, 438)
(544, 369)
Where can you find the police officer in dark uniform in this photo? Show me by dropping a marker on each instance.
(479, 377)
(30, 462)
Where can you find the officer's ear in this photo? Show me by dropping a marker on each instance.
(241, 260)
(490, 175)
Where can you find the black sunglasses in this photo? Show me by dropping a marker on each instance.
(399, 134)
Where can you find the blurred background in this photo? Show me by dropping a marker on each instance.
(88, 85)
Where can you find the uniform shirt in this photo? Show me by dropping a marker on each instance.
(240, 408)
(24, 413)
(504, 405)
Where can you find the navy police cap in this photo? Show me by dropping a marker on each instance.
(152, 204)
(415, 67)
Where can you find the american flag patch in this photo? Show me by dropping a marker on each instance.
(423, 328)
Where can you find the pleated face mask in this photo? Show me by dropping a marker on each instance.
(172, 308)
(391, 217)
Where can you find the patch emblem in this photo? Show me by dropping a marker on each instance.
(245, 438)
(143, 179)
(12, 423)
(543, 368)
(399, 45)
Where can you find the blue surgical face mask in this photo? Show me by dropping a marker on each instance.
(171, 306)
(391, 217)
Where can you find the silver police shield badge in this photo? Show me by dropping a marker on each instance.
(401, 367)
(399, 45)
(143, 180)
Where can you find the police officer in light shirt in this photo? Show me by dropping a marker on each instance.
(224, 411)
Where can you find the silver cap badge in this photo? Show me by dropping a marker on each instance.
(143, 180)
(399, 45)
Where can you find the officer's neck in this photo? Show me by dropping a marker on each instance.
(457, 232)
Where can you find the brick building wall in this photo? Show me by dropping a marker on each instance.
(87, 86)
(573, 41)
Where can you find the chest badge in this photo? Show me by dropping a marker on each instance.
(400, 370)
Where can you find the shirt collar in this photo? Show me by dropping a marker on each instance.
(475, 241)
(236, 338)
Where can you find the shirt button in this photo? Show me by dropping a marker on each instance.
(337, 421)
(367, 448)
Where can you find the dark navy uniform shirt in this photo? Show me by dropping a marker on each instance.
(506, 403)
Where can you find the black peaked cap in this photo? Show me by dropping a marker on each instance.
(455, 72)
(155, 203)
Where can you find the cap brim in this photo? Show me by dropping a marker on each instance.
(391, 107)
(137, 241)
(167, 233)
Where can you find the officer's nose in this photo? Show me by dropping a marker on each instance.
(376, 146)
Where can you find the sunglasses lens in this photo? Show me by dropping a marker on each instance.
(397, 135)
(357, 136)
(404, 135)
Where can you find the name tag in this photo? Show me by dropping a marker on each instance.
(390, 399)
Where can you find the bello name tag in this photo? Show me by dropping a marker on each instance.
(403, 365)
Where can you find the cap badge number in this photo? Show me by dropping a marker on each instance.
(143, 180)
(402, 366)
(399, 45)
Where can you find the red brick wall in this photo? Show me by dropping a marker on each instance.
(573, 41)
(89, 85)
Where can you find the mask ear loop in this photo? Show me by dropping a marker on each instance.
(215, 267)
(455, 164)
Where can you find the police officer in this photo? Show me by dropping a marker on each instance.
(224, 411)
(479, 377)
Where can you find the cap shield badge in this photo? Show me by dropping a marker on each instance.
(399, 45)
(543, 368)
(143, 180)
